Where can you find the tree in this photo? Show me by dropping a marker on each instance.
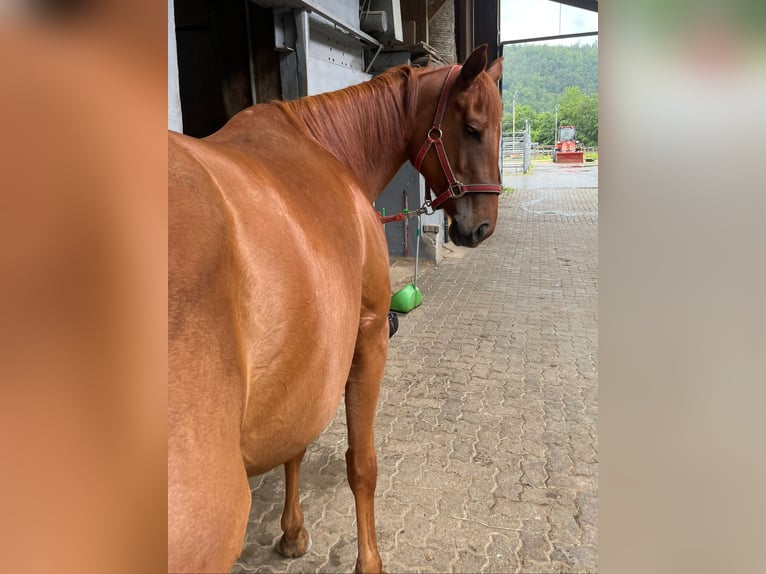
(569, 105)
(587, 126)
(544, 129)
(523, 112)
(580, 110)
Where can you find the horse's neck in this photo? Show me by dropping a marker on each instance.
(366, 127)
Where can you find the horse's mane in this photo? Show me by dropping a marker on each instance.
(378, 110)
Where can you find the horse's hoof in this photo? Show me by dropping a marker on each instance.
(298, 546)
(374, 568)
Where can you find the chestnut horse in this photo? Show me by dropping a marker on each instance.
(278, 287)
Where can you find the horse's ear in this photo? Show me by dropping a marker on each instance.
(474, 65)
(495, 70)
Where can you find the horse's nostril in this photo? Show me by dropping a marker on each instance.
(481, 232)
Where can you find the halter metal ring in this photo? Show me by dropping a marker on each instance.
(435, 134)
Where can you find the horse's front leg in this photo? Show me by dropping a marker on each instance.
(295, 540)
(362, 392)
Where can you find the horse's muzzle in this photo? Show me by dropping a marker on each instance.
(471, 238)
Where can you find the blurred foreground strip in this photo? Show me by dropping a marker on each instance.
(83, 264)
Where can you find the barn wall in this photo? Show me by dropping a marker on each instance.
(441, 31)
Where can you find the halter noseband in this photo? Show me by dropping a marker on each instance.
(434, 138)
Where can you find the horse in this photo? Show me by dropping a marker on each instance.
(278, 286)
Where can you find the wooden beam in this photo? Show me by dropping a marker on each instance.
(543, 38)
(417, 10)
(486, 27)
(591, 5)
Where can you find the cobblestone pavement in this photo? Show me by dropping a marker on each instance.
(486, 428)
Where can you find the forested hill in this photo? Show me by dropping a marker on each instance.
(547, 76)
(541, 73)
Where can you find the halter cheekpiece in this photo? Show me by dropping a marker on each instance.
(434, 139)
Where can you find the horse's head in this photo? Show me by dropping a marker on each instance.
(462, 169)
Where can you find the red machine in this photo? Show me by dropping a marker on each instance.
(566, 149)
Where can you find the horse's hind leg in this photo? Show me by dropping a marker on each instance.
(362, 392)
(295, 540)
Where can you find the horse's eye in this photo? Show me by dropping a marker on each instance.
(472, 131)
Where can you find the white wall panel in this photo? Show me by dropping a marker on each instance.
(327, 77)
(335, 59)
(175, 121)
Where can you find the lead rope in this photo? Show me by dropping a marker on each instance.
(393, 318)
(407, 214)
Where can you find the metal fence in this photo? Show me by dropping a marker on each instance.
(517, 150)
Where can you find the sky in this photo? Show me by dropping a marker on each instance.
(521, 19)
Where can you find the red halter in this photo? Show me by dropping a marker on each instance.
(434, 138)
